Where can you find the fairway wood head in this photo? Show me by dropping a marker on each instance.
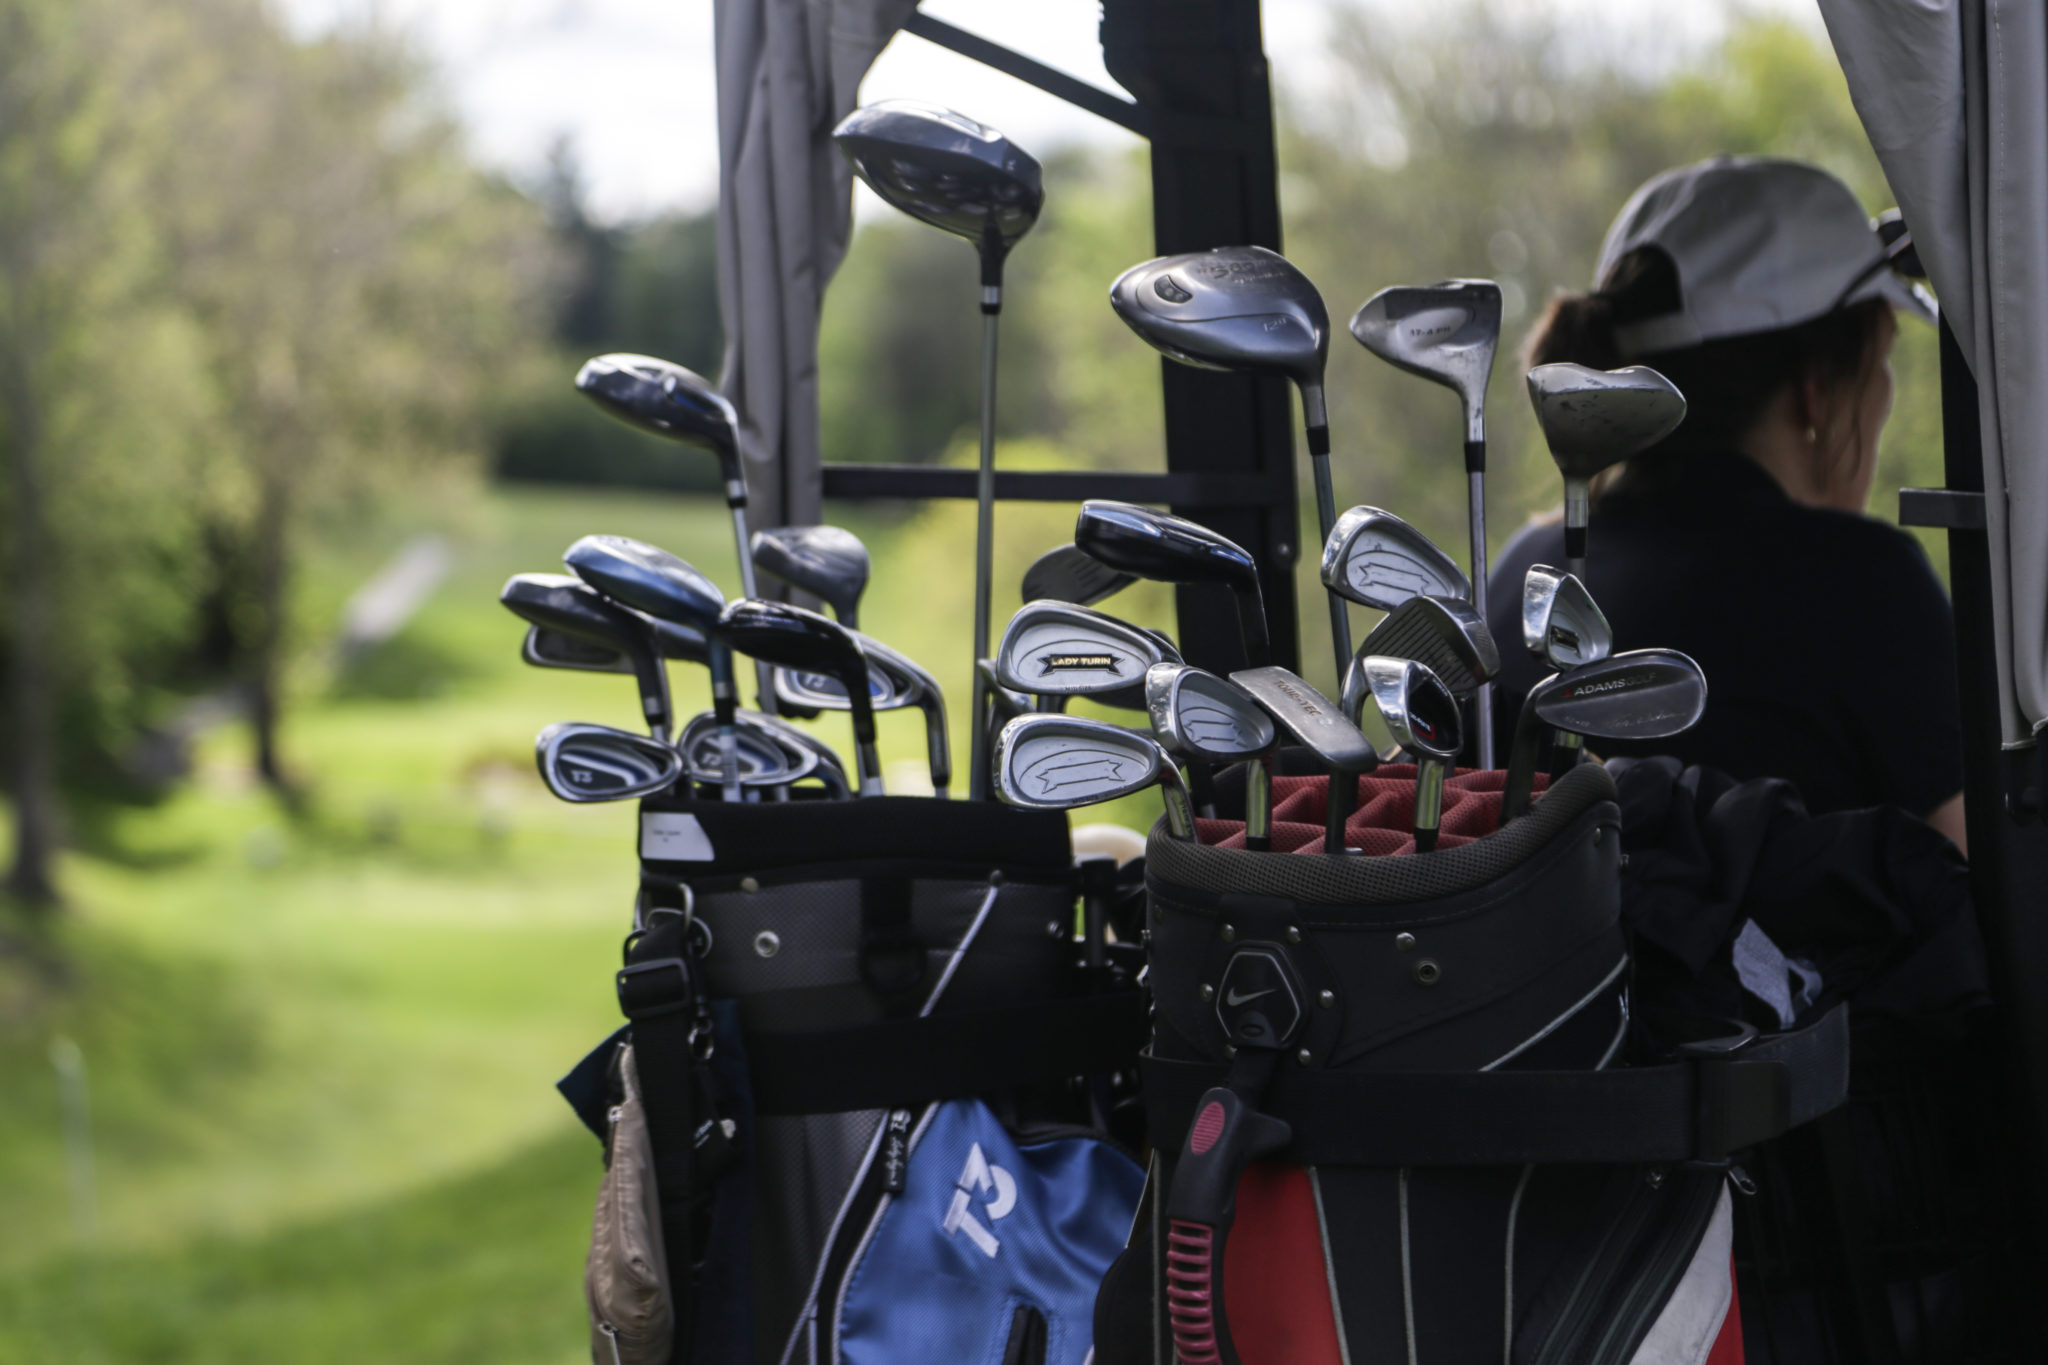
(1232, 308)
(1204, 718)
(662, 397)
(947, 170)
(828, 563)
(1068, 573)
(1049, 762)
(584, 763)
(765, 760)
(1642, 694)
(1446, 332)
(1378, 560)
(1419, 711)
(1057, 649)
(1593, 419)
(1442, 632)
(648, 579)
(1562, 626)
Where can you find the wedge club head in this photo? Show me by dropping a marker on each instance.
(1067, 573)
(1170, 549)
(1642, 694)
(1211, 721)
(828, 563)
(585, 763)
(1056, 649)
(565, 607)
(1562, 626)
(1306, 717)
(945, 169)
(1047, 762)
(791, 637)
(1377, 560)
(1442, 632)
(1423, 717)
(1593, 420)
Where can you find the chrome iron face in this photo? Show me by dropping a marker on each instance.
(586, 763)
(828, 563)
(1441, 632)
(1377, 560)
(1446, 332)
(945, 169)
(765, 759)
(1049, 762)
(1202, 717)
(1562, 626)
(1068, 573)
(1639, 695)
(1056, 649)
(1423, 717)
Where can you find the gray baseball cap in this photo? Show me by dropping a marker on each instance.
(1759, 244)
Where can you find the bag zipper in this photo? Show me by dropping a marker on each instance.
(1646, 1292)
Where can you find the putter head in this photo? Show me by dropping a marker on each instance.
(1561, 623)
(1642, 694)
(826, 562)
(1378, 560)
(1594, 419)
(1233, 308)
(1057, 649)
(1446, 332)
(662, 397)
(1442, 632)
(765, 760)
(1420, 712)
(648, 579)
(1048, 762)
(1202, 717)
(1068, 573)
(583, 763)
(947, 170)
(1306, 717)
(1162, 547)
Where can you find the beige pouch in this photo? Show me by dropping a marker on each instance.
(625, 1281)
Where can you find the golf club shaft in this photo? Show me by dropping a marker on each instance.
(1429, 802)
(984, 538)
(764, 684)
(1258, 805)
(1326, 515)
(1476, 482)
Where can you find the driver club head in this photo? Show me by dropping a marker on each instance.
(1562, 626)
(662, 397)
(1376, 559)
(1168, 549)
(1056, 649)
(1638, 695)
(945, 169)
(1445, 332)
(585, 763)
(1442, 632)
(791, 637)
(1051, 762)
(828, 563)
(1068, 573)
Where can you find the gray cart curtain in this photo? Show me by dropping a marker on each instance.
(1954, 95)
(788, 71)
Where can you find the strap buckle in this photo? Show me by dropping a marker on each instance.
(1737, 1103)
(662, 985)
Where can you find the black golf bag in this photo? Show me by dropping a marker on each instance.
(873, 1071)
(1400, 1111)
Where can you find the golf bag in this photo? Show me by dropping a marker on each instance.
(1400, 1112)
(872, 1069)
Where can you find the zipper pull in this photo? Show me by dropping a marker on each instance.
(1741, 1180)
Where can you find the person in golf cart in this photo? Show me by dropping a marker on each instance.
(1761, 290)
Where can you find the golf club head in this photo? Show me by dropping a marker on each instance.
(1442, 632)
(1378, 560)
(1642, 694)
(947, 170)
(1445, 332)
(1594, 419)
(1048, 762)
(895, 681)
(831, 770)
(1169, 549)
(1233, 308)
(585, 763)
(662, 397)
(1204, 718)
(1307, 718)
(1056, 649)
(565, 607)
(791, 637)
(764, 759)
(544, 648)
(1068, 573)
(828, 563)
(649, 579)
(1561, 623)
(1419, 711)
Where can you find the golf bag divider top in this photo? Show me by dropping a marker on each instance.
(1396, 1116)
(880, 1008)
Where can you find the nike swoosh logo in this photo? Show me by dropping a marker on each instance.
(1233, 999)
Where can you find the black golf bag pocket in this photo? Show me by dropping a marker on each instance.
(625, 1280)
(862, 970)
(1394, 1117)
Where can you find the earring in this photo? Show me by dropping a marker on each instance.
(1812, 436)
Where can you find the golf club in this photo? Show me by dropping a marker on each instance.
(566, 607)
(1056, 649)
(1309, 719)
(652, 580)
(1378, 560)
(766, 763)
(1447, 333)
(826, 562)
(663, 398)
(1243, 308)
(1423, 717)
(584, 763)
(545, 648)
(1169, 549)
(1442, 633)
(1643, 694)
(965, 178)
(1061, 762)
(1068, 573)
(1210, 721)
(831, 770)
(777, 633)
(895, 681)
(1563, 627)
(1593, 420)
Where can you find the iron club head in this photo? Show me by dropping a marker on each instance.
(1049, 762)
(1211, 721)
(1067, 573)
(584, 763)
(794, 638)
(1056, 649)
(1561, 623)
(895, 681)
(1423, 717)
(1442, 632)
(764, 759)
(1638, 695)
(1377, 560)
(828, 563)
(571, 611)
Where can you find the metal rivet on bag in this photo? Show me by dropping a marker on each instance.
(1598, 835)
(1293, 934)
(1327, 999)
(749, 885)
(1229, 933)
(1303, 1057)
(1405, 942)
(1427, 973)
(767, 943)
(1208, 992)
(995, 879)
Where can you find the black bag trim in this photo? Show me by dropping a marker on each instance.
(1702, 1108)
(904, 1063)
(759, 839)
